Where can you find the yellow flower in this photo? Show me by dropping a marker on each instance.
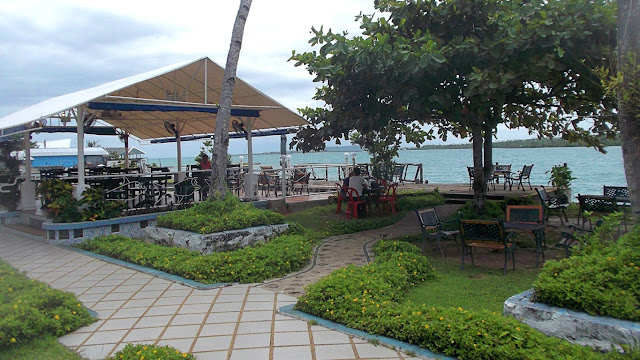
(184, 354)
(10, 289)
(142, 357)
(441, 318)
(144, 348)
(426, 326)
(15, 306)
(13, 340)
(57, 317)
(518, 328)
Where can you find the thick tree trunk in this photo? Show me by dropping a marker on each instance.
(221, 140)
(488, 151)
(628, 112)
(479, 183)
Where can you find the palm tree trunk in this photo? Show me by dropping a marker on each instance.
(221, 140)
(629, 116)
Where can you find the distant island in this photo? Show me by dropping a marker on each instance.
(512, 144)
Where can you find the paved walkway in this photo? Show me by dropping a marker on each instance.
(231, 323)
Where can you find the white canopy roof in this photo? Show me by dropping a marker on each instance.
(145, 105)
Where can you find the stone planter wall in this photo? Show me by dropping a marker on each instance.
(576, 327)
(78, 232)
(216, 242)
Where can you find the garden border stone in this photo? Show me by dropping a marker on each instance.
(215, 242)
(600, 332)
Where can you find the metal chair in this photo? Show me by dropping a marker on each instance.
(432, 228)
(599, 205)
(525, 219)
(490, 180)
(487, 234)
(552, 204)
(521, 177)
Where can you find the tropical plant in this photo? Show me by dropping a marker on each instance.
(561, 178)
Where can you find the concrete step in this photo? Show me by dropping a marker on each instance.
(37, 234)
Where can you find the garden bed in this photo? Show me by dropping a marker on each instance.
(215, 242)
(600, 332)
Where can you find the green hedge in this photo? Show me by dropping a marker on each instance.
(29, 309)
(410, 202)
(150, 352)
(282, 255)
(367, 298)
(214, 216)
(602, 278)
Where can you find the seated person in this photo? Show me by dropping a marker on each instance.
(345, 185)
(205, 164)
(357, 182)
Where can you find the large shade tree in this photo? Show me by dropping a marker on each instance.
(629, 95)
(463, 68)
(221, 139)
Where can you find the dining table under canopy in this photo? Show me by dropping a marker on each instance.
(173, 103)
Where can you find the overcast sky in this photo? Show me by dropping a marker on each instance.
(60, 46)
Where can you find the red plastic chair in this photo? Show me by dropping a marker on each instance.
(390, 198)
(339, 190)
(353, 200)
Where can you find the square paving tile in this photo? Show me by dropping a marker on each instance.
(90, 328)
(329, 337)
(291, 338)
(108, 305)
(297, 352)
(138, 303)
(250, 354)
(116, 296)
(252, 341)
(148, 294)
(331, 352)
(223, 317)
(155, 287)
(370, 350)
(73, 339)
(162, 310)
(188, 319)
(212, 343)
(211, 355)
(174, 300)
(182, 345)
(261, 305)
(106, 337)
(218, 329)
(234, 290)
(96, 352)
(153, 321)
(230, 298)
(200, 299)
(285, 326)
(147, 334)
(181, 332)
(254, 327)
(257, 315)
(127, 313)
(194, 309)
(224, 307)
(261, 297)
(178, 292)
(118, 324)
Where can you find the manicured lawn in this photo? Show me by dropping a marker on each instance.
(46, 347)
(474, 288)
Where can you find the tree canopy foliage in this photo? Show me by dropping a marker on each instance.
(462, 68)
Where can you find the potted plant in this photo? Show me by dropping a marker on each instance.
(561, 178)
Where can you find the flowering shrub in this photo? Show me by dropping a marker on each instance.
(368, 298)
(601, 278)
(283, 254)
(214, 216)
(150, 352)
(29, 308)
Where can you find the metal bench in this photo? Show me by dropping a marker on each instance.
(486, 234)
(525, 219)
(596, 204)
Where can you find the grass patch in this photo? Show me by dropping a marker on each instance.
(44, 347)
(474, 288)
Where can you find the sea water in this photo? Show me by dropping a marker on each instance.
(591, 168)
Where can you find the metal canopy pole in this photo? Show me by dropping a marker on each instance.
(206, 77)
(27, 188)
(179, 151)
(250, 161)
(126, 150)
(80, 131)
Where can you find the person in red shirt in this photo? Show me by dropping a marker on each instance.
(205, 164)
